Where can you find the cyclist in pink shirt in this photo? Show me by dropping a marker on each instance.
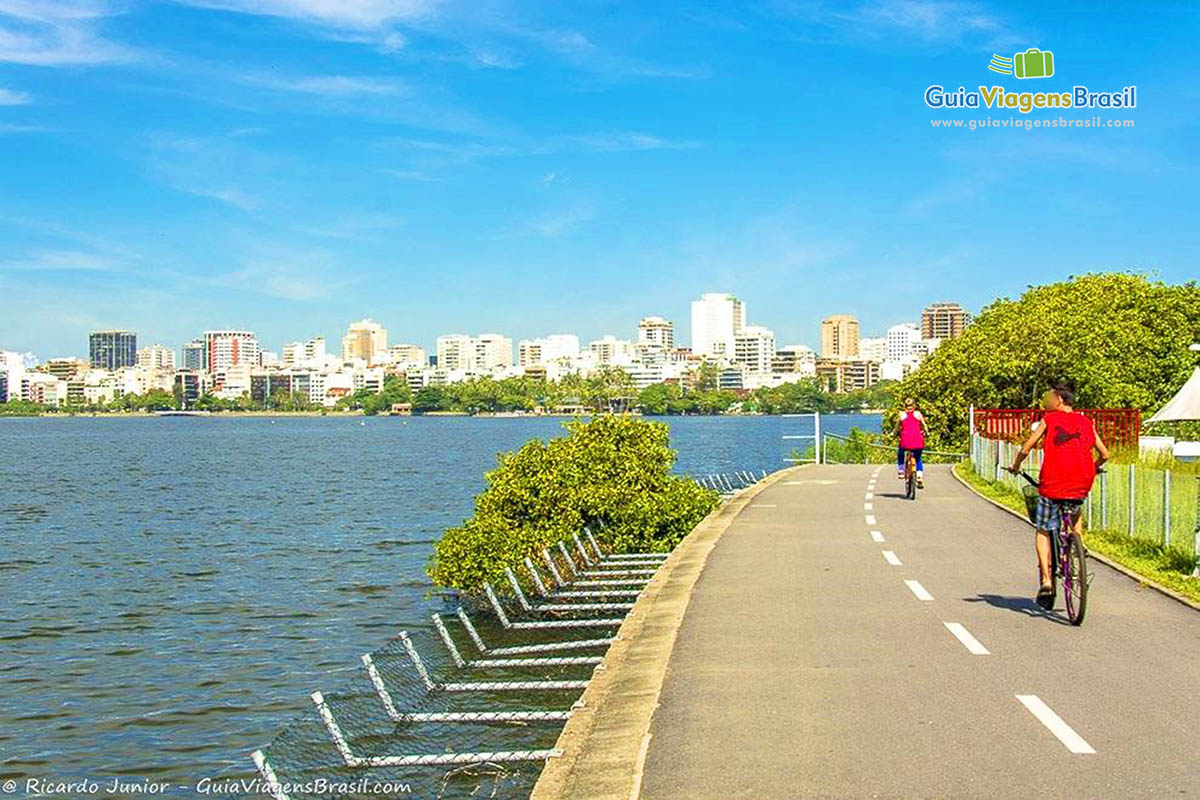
(912, 437)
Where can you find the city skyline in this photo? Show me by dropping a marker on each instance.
(338, 340)
(442, 166)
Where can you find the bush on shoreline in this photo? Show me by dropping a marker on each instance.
(612, 469)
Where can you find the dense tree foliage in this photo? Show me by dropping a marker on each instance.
(613, 469)
(1122, 339)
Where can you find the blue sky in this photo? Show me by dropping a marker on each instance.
(292, 165)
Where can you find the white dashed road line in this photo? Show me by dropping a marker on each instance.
(891, 558)
(870, 519)
(974, 647)
(877, 535)
(869, 496)
(1054, 722)
(919, 590)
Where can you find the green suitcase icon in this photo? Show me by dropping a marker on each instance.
(1033, 63)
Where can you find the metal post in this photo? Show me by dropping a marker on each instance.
(817, 434)
(1166, 508)
(1132, 496)
(1103, 500)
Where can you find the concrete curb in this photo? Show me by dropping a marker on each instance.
(604, 743)
(1126, 571)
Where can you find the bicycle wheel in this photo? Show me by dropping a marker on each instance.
(910, 485)
(1075, 582)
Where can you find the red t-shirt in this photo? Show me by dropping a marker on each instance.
(1068, 469)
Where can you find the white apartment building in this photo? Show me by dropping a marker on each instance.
(873, 348)
(656, 333)
(795, 360)
(455, 351)
(156, 357)
(754, 348)
(902, 342)
(13, 366)
(226, 349)
(610, 350)
(547, 349)
(716, 318)
(492, 351)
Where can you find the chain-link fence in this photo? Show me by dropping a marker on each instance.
(1156, 504)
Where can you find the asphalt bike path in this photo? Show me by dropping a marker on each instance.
(845, 642)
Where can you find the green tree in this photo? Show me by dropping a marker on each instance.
(1121, 338)
(614, 469)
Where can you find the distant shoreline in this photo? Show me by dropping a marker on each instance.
(359, 414)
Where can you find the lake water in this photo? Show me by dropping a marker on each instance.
(172, 589)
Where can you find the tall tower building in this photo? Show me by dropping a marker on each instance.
(656, 332)
(193, 354)
(455, 351)
(492, 351)
(944, 321)
(839, 336)
(112, 349)
(717, 318)
(902, 341)
(364, 339)
(226, 349)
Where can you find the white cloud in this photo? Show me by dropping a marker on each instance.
(59, 261)
(9, 97)
(332, 85)
(561, 222)
(354, 14)
(51, 34)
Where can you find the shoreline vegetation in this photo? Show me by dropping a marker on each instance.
(610, 391)
(612, 473)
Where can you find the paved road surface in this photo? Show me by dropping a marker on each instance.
(808, 665)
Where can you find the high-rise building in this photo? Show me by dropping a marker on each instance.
(873, 348)
(364, 340)
(407, 355)
(716, 319)
(455, 351)
(304, 354)
(493, 351)
(610, 350)
(794, 358)
(112, 349)
(754, 348)
(656, 332)
(193, 354)
(156, 357)
(902, 341)
(547, 349)
(839, 336)
(224, 350)
(944, 321)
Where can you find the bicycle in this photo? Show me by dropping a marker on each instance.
(910, 475)
(1067, 553)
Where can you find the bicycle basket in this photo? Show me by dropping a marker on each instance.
(1030, 493)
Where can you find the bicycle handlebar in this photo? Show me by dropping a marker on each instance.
(1034, 482)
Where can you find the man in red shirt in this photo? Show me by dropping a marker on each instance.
(1067, 473)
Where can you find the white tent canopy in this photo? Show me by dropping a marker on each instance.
(1185, 405)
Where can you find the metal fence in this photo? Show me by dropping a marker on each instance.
(849, 450)
(1159, 505)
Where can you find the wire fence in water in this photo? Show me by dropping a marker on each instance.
(470, 704)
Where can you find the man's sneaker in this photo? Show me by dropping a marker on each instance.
(1045, 597)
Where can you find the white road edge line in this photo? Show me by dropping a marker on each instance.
(870, 519)
(877, 535)
(973, 645)
(891, 558)
(1054, 722)
(919, 590)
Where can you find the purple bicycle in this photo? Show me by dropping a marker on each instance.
(1068, 555)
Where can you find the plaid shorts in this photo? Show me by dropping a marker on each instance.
(1048, 514)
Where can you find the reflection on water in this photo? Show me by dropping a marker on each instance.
(172, 589)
